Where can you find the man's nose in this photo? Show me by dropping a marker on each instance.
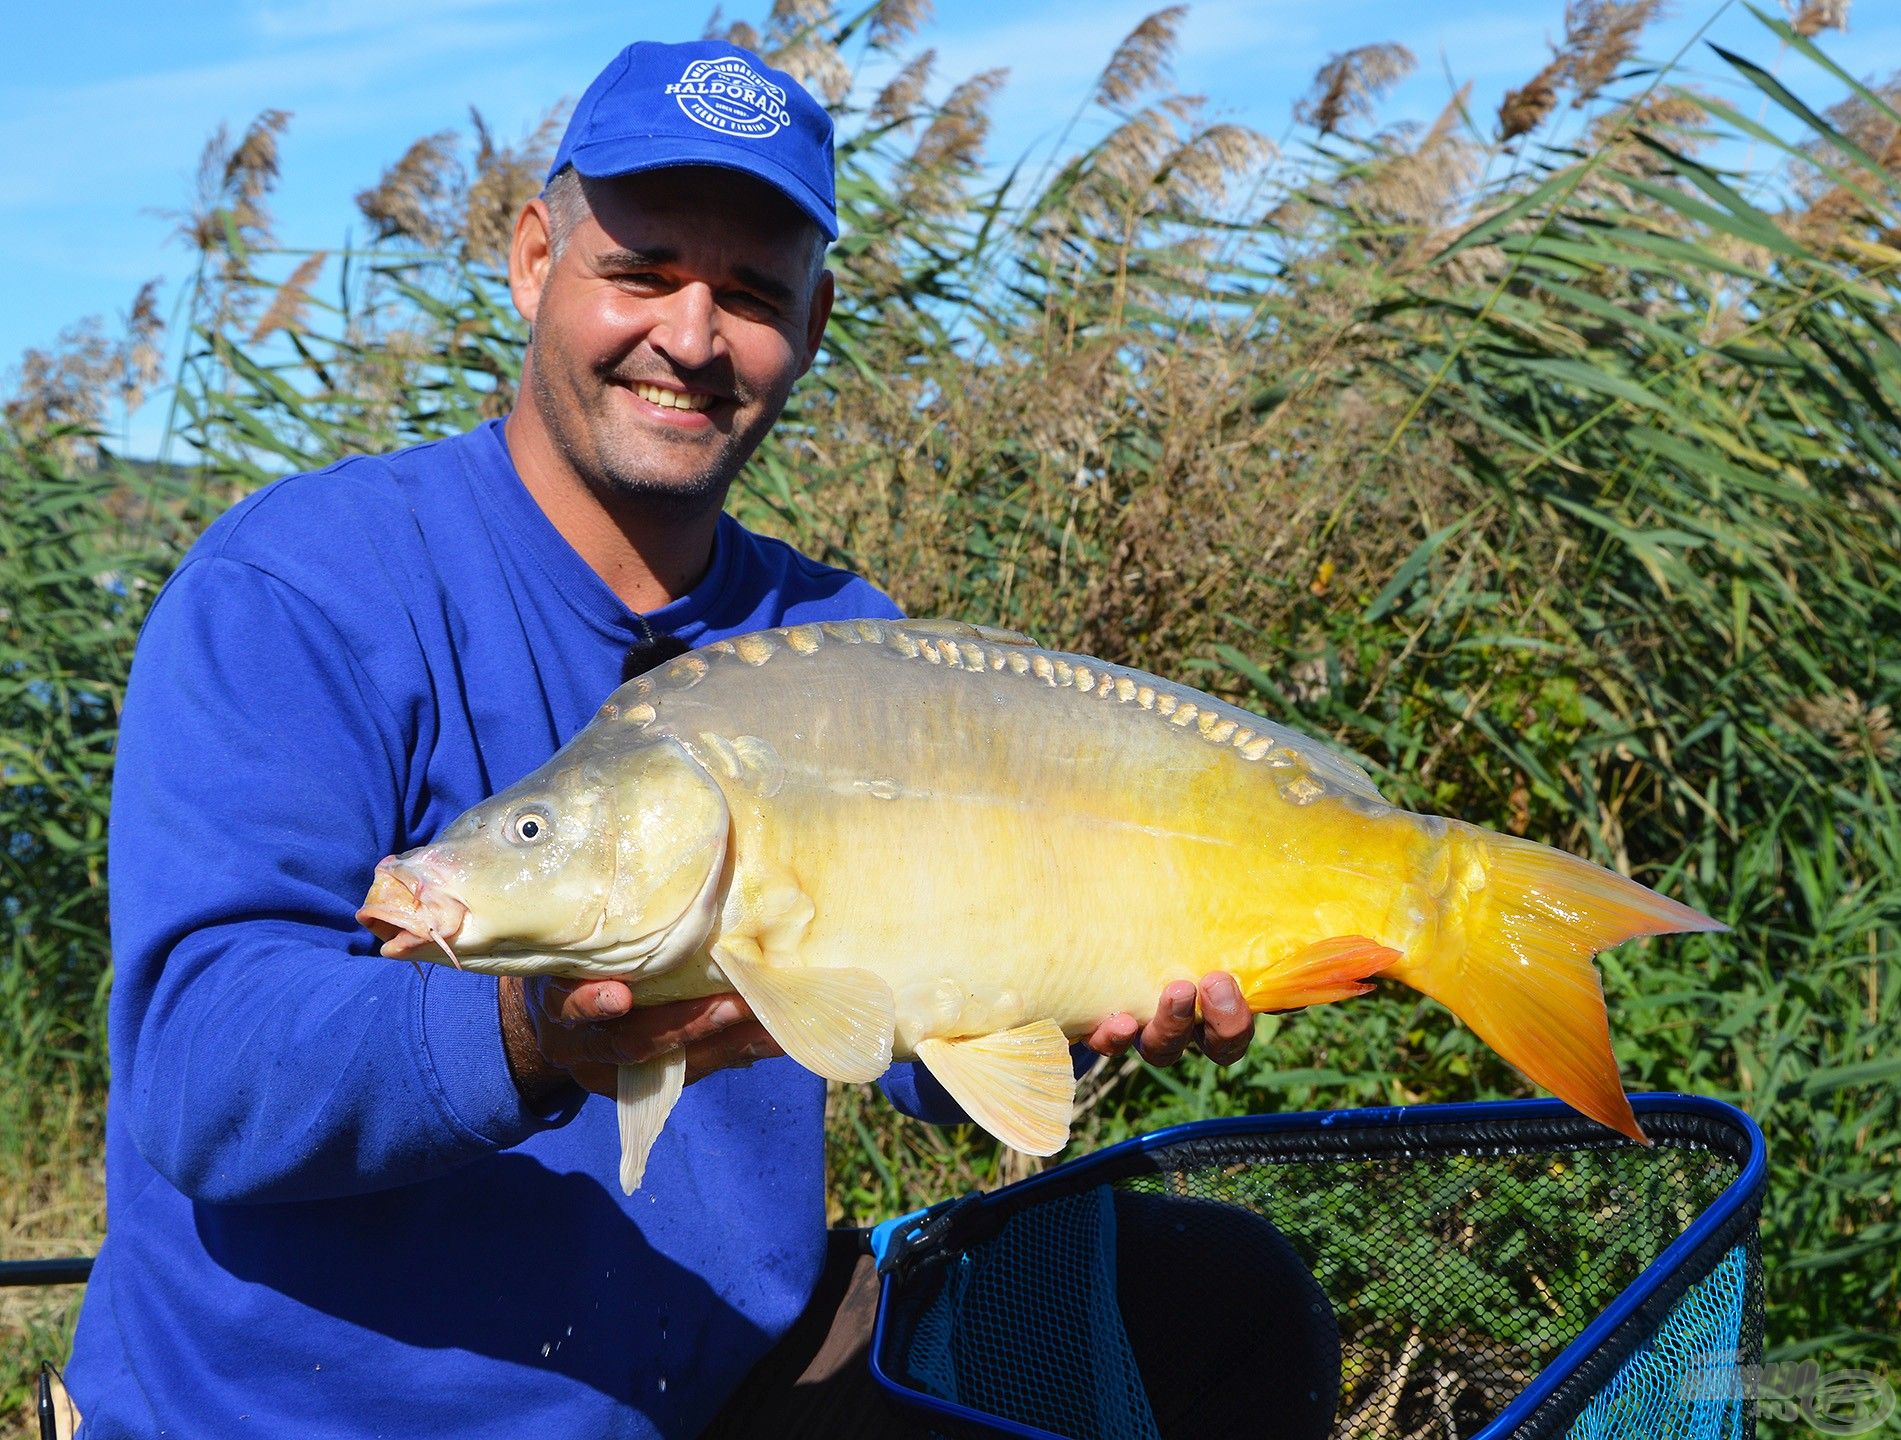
(686, 332)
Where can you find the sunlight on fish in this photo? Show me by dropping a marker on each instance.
(902, 839)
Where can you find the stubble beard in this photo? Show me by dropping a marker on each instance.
(609, 464)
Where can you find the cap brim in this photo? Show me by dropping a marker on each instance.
(634, 154)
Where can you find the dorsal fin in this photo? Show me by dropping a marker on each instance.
(1320, 766)
(1330, 766)
(964, 630)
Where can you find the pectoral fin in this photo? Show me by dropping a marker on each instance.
(1018, 1084)
(835, 1022)
(644, 1096)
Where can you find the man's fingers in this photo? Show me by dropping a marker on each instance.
(582, 1002)
(1115, 1035)
(635, 1037)
(735, 1047)
(738, 1045)
(1165, 1037)
(1227, 1025)
(647, 1033)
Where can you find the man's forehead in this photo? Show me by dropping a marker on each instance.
(706, 219)
(725, 197)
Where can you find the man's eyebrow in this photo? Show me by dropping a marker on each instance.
(622, 259)
(773, 289)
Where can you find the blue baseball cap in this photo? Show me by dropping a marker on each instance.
(704, 103)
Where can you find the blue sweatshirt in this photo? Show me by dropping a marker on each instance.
(329, 1211)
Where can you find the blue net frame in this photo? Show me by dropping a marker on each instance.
(1506, 1271)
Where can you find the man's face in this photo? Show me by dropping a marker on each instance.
(670, 328)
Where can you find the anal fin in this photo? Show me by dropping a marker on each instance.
(644, 1095)
(1018, 1084)
(1332, 969)
(836, 1022)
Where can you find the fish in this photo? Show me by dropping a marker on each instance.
(939, 841)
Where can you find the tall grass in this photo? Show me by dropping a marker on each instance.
(1555, 474)
(81, 552)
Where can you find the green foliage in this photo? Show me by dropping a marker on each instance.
(1456, 1278)
(1558, 480)
(81, 554)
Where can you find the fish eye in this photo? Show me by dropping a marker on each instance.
(528, 827)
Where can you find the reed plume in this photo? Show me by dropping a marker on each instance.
(897, 103)
(286, 310)
(815, 63)
(1810, 18)
(733, 32)
(1142, 60)
(506, 178)
(59, 393)
(413, 200)
(1347, 86)
(1599, 36)
(141, 351)
(948, 153)
(897, 20)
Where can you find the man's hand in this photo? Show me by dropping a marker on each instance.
(555, 1031)
(1222, 1035)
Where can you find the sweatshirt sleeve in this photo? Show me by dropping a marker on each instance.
(912, 1088)
(265, 1051)
(915, 1092)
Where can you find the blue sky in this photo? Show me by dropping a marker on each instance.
(107, 103)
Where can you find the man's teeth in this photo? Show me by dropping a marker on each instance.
(672, 399)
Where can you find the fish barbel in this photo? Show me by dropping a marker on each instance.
(907, 839)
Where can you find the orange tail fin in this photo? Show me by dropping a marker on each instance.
(1525, 981)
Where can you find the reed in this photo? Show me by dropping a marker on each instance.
(1554, 471)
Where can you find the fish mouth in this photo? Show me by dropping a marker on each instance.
(410, 914)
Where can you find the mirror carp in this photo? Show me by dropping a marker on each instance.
(903, 839)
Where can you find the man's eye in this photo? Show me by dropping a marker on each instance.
(745, 302)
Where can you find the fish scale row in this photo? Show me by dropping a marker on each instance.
(1103, 682)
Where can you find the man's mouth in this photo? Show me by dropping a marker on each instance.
(671, 399)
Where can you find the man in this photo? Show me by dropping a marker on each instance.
(346, 1197)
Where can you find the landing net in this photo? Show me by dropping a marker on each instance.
(1464, 1272)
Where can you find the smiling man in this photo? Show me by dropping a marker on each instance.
(348, 1197)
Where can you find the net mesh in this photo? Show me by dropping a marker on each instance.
(1456, 1270)
(1056, 1258)
(1683, 1383)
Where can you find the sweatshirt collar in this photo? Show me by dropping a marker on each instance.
(591, 598)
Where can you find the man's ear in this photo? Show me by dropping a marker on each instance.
(530, 256)
(822, 295)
